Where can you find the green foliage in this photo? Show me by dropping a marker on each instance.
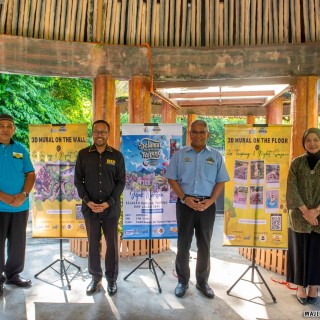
(75, 98)
(44, 100)
(216, 129)
(124, 118)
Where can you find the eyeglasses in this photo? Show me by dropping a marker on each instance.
(102, 133)
(202, 133)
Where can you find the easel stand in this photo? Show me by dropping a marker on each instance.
(63, 269)
(254, 267)
(151, 266)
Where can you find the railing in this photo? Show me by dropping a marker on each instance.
(270, 259)
(127, 248)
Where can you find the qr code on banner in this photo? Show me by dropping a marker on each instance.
(276, 222)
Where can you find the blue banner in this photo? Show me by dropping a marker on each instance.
(149, 210)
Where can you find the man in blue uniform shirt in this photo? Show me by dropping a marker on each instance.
(16, 181)
(197, 175)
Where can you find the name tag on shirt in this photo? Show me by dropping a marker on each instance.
(210, 161)
(111, 161)
(17, 155)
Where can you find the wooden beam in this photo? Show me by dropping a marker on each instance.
(41, 57)
(226, 111)
(221, 94)
(248, 62)
(222, 102)
(205, 83)
(215, 111)
(59, 58)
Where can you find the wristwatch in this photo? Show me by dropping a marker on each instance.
(183, 199)
(26, 194)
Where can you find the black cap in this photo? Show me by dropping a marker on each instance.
(6, 117)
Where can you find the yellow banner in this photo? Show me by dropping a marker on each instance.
(56, 206)
(257, 160)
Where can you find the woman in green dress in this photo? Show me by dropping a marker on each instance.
(303, 202)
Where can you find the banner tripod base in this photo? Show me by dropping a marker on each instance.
(254, 267)
(151, 267)
(63, 269)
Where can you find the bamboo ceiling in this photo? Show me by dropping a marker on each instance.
(193, 42)
(173, 23)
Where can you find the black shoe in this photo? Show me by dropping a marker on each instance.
(302, 300)
(206, 290)
(20, 282)
(112, 288)
(181, 290)
(312, 300)
(1, 288)
(93, 287)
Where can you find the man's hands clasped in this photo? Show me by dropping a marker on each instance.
(198, 205)
(16, 200)
(97, 207)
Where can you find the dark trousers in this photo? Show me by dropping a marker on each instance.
(189, 221)
(109, 226)
(13, 227)
(303, 259)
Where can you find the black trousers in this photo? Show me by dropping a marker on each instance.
(190, 221)
(109, 226)
(13, 230)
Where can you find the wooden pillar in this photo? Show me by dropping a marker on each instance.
(169, 113)
(104, 103)
(117, 143)
(191, 118)
(274, 111)
(250, 119)
(304, 111)
(139, 100)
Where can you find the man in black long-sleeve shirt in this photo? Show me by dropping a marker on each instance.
(100, 180)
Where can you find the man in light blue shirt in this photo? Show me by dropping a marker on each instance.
(197, 175)
(16, 181)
